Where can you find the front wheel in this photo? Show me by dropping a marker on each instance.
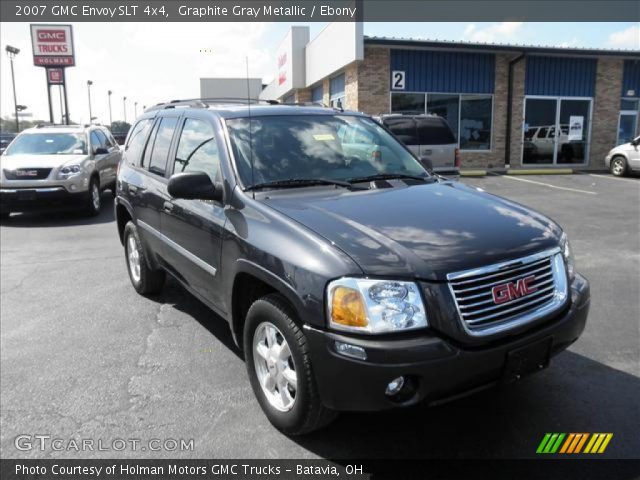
(279, 368)
(618, 166)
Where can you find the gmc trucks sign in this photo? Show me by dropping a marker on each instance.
(52, 45)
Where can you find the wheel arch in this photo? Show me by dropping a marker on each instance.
(250, 283)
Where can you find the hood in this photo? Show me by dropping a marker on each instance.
(421, 231)
(12, 162)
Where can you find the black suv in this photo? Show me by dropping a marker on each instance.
(351, 278)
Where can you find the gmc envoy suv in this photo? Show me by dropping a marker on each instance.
(351, 277)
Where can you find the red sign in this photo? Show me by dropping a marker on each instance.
(52, 45)
(54, 75)
(512, 291)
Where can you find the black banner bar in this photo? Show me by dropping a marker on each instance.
(319, 10)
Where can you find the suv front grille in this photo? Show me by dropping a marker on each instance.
(505, 295)
(27, 173)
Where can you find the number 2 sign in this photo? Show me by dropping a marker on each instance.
(397, 80)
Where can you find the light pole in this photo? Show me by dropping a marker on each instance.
(11, 53)
(89, 83)
(110, 119)
(135, 109)
(124, 104)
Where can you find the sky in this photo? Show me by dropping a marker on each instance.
(154, 62)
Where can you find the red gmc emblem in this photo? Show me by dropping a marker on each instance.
(52, 36)
(513, 290)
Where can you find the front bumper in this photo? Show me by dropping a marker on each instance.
(41, 198)
(439, 369)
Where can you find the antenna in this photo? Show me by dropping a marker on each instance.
(250, 125)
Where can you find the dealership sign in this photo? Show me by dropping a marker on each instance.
(52, 45)
(55, 76)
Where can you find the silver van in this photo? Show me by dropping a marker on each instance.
(427, 136)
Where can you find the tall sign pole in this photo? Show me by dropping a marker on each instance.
(53, 49)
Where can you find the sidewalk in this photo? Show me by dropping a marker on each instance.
(480, 172)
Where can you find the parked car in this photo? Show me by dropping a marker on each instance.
(58, 165)
(427, 136)
(624, 158)
(350, 281)
(5, 140)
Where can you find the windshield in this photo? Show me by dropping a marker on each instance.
(48, 143)
(339, 147)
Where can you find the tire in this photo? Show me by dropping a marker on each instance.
(618, 166)
(306, 413)
(93, 198)
(145, 280)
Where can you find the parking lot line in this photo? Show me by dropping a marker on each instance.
(550, 186)
(614, 178)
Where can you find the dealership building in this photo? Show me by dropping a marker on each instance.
(508, 105)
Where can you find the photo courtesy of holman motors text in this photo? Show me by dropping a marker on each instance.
(355, 239)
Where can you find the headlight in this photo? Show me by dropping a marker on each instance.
(69, 171)
(567, 253)
(374, 306)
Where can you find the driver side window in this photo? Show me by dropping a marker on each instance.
(198, 149)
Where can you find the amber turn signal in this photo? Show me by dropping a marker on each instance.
(347, 308)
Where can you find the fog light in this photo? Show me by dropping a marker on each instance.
(394, 386)
(351, 350)
(73, 187)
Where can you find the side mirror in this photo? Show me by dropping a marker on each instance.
(427, 164)
(100, 151)
(193, 186)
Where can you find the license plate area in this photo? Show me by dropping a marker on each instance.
(26, 195)
(528, 359)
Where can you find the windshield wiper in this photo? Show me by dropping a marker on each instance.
(389, 176)
(298, 182)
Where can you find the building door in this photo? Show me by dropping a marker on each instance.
(556, 131)
(627, 126)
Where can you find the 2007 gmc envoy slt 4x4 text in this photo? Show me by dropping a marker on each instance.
(351, 277)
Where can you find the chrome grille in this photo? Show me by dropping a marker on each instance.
(481, 314)
(27, 174)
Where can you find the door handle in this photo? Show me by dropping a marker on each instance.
(135, 189)
(167, 207)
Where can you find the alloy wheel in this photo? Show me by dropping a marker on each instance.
(274, 367)
(133, 256)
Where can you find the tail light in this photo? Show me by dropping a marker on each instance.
(458, 161)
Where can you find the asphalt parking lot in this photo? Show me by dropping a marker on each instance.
(83, 356)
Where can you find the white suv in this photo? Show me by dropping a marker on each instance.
(55, 165)
(624, 158)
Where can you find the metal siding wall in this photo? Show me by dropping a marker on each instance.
(559, 76)
(316, 94)
(631, 78)
(445, 72)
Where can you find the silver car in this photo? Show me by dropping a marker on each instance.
(50, 166)
(428, 137)
(624, 158)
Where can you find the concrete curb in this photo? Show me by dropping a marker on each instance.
(519, 171)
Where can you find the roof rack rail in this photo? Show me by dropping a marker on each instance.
(205, 102)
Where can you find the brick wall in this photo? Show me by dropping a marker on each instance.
(517, 112)
(373, 81)
(606, 109)
(351, 87)
(303, 95)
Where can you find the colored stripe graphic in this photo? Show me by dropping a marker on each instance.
(573, 443)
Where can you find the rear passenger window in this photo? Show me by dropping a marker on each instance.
(137, 140)
(404, 129)
(197, 149)
(161, 145)
(434, 131)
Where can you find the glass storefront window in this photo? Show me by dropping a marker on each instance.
(475, 123)
(446, 106)
(408, 103)
(470, 116)
(629, 104)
